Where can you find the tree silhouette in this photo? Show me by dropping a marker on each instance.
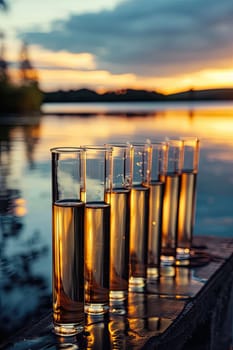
(28, 73)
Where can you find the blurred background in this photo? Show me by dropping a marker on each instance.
(95, 72)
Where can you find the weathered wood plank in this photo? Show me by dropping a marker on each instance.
(172, 314)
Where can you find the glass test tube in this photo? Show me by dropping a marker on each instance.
(187, 200)
(139, 217)
(118, 196)
(155, 167)
(171, 178)
(96, 230)
(67, 241)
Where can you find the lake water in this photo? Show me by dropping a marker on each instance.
(25, 182)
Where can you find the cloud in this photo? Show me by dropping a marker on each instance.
(63, 60)
(147, 37)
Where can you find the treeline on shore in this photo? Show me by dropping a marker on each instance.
(29, 98)
(20, 99)
(131, 95)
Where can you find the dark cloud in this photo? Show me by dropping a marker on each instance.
(147, 37)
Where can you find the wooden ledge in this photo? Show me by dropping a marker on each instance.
(191, 311)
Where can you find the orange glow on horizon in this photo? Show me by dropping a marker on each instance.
(65, 70)
(103, 81)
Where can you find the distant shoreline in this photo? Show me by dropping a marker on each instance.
(131, 95)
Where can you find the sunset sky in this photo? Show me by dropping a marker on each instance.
(162, 45)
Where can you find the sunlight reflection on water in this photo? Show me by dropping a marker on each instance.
(25, 242)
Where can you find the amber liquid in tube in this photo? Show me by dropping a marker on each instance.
(68, 266)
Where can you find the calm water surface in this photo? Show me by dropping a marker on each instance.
(25, 184)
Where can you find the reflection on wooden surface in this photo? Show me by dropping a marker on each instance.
(152, 318)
